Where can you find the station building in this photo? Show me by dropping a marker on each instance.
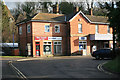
(57, 34)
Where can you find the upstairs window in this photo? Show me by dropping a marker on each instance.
(79, 28)
(57, 29)
(28, 28)
(20, 30)
(108, 29)
(96, 28)
(47, 28)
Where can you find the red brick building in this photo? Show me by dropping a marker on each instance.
(58, 34)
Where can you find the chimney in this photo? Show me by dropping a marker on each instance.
(91, 13)
(54, 9)
(57, 9)
(76, 9)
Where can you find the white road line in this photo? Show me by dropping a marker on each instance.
(101, 69)
(18, 71)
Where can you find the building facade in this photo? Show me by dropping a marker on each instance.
(57, 34)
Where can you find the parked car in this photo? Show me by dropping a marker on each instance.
(103, 53)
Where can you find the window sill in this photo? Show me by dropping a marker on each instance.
(80, 32)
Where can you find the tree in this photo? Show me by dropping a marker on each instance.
(5, 24)
(114, 19)
(66, 8)
(28, 8)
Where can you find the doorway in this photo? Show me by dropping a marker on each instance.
(37, 48)
(83, 47)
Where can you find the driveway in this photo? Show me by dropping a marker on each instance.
(63, 67)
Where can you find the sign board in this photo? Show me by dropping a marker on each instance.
(48, 38)
(41, 38)
(101, 37)
(82, 38)
(54, 38)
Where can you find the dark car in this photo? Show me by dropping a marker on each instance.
(102, 53)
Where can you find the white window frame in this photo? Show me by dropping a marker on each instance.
(20, 30)
(47, 29)
(58, 28)
(47, 44)
(28, 28)
(58, 44)
(96, 29)
(83, 43)
(108, 29)
(80, 28)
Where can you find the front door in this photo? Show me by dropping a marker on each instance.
(83, 47)
(37, 48)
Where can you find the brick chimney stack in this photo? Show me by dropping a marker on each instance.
(57, 9)
(76, 9)
(91, 12)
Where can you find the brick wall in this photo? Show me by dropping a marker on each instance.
(87, 28)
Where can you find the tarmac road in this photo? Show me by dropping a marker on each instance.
(63, 67)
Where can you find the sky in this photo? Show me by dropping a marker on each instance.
(12, 3)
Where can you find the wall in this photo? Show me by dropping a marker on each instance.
(87, 29)
(24, 38)
(38, 29)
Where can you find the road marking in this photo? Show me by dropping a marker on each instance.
(101, 69)
(20, 74)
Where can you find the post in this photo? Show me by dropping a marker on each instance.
(13, 40)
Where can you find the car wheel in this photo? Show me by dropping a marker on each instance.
(97, 57)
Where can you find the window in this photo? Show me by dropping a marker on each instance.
(47, 48)
(47, 28)
(97, 30)
(57, 47)
(80, 28)
(108, 29)
(82, 45)
(20, 30)
(57, 28)
(28, 28)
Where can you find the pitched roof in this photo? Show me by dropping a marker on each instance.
(49, 17)
(97, 18)
(92, 19)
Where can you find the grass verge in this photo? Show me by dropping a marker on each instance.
(113, 65)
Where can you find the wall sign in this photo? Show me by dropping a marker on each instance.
(41, 38)
(82, 38)
(54, 38)
(48, 38)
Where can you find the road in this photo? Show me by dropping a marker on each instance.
(63, 67)
(6, 71)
